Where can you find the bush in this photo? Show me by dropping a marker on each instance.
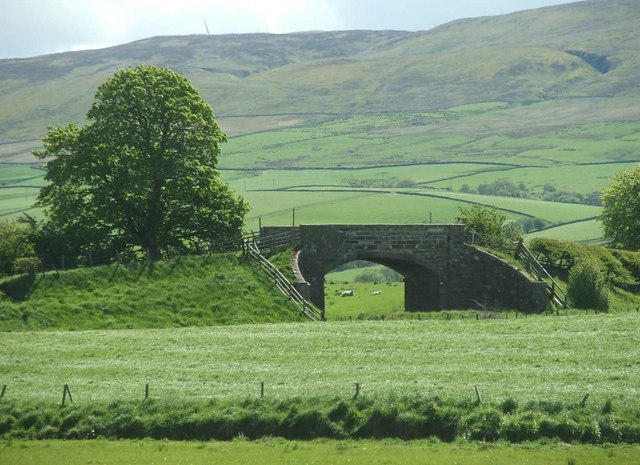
(28, 265)
(587, 287)
(483, 425)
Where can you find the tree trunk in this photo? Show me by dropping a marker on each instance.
(154, 253)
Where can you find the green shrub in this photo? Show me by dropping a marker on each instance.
(559, 257)
(520, 429)
(483, 425)
(415, 418)
(588, 287)
(379, 424)
(509, 405)
(308, 424)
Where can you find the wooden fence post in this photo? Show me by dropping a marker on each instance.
(357, 391)
(478, 398)
(66, 392)
(4, 389)
(583, 402)
(261, 389)
(146, 391)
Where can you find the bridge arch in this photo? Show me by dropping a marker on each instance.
(440, 271)
(421, 280)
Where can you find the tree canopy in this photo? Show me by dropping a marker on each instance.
(488, 226)
(621, 209)
(142, 172)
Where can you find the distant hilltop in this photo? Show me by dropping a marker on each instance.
(578, 51)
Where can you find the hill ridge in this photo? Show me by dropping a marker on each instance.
(545, 54)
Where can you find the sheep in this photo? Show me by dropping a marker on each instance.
(350, 293)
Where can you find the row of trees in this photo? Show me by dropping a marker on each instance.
(506, 188)
(141, 175)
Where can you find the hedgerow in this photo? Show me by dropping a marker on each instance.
(402, 418)
(620, 267)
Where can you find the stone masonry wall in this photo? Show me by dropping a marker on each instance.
(440, 270)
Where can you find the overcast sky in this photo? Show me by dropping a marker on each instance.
(37, 27)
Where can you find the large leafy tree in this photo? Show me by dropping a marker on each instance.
(142, 172)
(621, 209)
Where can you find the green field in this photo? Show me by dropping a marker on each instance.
(338, 127)
(275, 451)
(553, 358)
(364, 304)
(416, 179)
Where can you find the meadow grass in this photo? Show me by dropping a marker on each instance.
(276, 451)
(396, 138)
(536, 358)
(584, 231)
(357, 207)
(364, 305)
(187, 291)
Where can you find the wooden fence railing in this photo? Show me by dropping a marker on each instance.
(534, 267)
(275, 241)
(253, 252)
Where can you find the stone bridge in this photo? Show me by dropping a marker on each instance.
(440, 271)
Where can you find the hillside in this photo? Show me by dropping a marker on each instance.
(383, 126)
(573, 56)
(196, 291)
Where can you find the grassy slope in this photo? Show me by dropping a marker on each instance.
(197, 291)
(515, 58)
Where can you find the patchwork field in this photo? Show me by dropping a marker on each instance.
(407, 168)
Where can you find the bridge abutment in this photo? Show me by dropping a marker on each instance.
(421, 294)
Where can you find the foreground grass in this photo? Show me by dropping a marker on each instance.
(275, 451)
(547, 357)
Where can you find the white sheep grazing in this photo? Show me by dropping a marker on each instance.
(377, 292)
(350, 293)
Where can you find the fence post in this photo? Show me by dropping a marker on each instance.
(478, 398)
(146, 391)
(4, 389)
(66, 392)
(583, 402)
(261, 389)
(357, 391)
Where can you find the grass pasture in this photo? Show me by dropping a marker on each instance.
(363, 304)
(540, 358)
(401, 168)
(279, 452)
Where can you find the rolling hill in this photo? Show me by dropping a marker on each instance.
(576, 57)
(546, 98)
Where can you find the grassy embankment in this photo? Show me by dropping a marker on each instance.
(187, 291)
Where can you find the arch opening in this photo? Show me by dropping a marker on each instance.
(381, 287)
